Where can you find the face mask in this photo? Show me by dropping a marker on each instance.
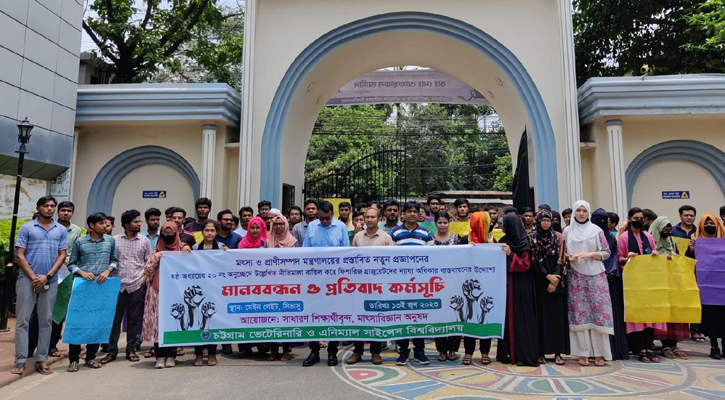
(638, 224)
(168, 238)
(711, 230)
(665, 235)
(584, 222)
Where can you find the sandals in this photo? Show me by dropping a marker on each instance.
(583, 361)
(108, 358)
(452, 356)
(442, 356)
(542, 360)
(285, 357)
(212, 360)
(559, 360)
(652, 357)
(668, 352)
(698, 337)
(272, 357)
(150, 354)
(467, 359)
(644, 357)
(485, 360)
(180, 351)
(93, 364)
(18, 369)
(73, 367)
(600, 363)
(54, 353)
(132, 357)
(679, 354)
(43, 368)
(199, 361)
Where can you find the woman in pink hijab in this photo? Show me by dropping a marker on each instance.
(256, 236)
(280, 236)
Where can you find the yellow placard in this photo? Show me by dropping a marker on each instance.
(336, 205)
(682, 244)
(460, 228)
(498, 234)
(660, 290)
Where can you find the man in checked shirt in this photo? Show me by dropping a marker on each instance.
(134, 250)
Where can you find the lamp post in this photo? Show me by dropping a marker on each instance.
(24, 129)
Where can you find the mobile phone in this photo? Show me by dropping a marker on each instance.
(46, 286)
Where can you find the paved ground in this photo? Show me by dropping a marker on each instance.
(698, 378)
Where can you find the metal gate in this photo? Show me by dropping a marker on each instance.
(379, 175)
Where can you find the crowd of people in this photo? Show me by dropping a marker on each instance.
(564, 275)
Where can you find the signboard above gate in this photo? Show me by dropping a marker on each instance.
(408, 86)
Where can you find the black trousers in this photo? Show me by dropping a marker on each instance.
(33, 334)
(375, 347)
(640, 341)
(74, 352)
(469, 345)
(404, 345)
(331, 347)
(211, 349)
(669, 343)
(164, 352)
(130, 304)
(274, 347)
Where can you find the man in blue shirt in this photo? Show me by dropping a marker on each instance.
(411, 234)
(686, 228)
(153, 221)
(93, 258)
(40, 251)
(325, 231)
(225, 235)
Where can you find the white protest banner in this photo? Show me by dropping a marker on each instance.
(407, 86)
(350, 293)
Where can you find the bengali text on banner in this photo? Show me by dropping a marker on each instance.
(355, 293)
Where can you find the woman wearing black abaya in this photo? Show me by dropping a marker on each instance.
(520, 344)
(618, 341)
(547, 253)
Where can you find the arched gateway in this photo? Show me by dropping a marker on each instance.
(298, 54)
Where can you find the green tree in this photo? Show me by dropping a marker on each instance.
(616, 37)
(711, 19)
(135, 42)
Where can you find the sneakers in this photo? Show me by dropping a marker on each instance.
(420, 358)
(354, 359)
(160, 362)
(377, 360)
(311, 360)
(402, 358)
(170, 362)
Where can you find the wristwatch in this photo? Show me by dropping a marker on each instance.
(48, 276)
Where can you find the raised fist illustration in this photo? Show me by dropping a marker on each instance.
(208, 309)
(486, 304)
(457, 303)
(472, 289)
(193, 296)
(178, 311)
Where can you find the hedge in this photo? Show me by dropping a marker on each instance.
(5, 226)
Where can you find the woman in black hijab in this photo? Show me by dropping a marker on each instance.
(520, 344)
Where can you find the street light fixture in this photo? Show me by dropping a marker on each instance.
(24, 129)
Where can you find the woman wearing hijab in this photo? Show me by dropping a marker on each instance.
(256, 236)
(618, 341)
(590, 308)
(520, 344)
(165, 356)
(547, 257)
(480, 233)
(661, 231)
(280, 238)
(713, 317)
(634, 242)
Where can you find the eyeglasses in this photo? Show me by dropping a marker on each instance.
(325, 218)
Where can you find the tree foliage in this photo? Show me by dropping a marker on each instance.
(137, 37)
(711, 19)
(616, 37)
